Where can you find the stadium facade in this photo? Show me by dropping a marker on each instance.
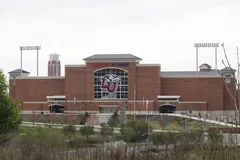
(109, 83)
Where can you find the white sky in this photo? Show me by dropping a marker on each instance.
(158, 31)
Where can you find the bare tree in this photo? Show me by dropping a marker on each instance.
(233, 95)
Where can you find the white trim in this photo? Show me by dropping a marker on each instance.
(168, 105)
(110, 68)
(56, 101)
(193, 102)
(173, 101)
(35, 102)
(117, 100)
(170, 96)
(43, 77)
(143, 65)
(190, 76)
(75, 65)
(56, 96)
(112, 60)
(81, 112)
(108, 106)
(55, 104)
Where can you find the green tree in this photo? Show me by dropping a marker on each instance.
(69, 130)
(86, 131)
(9, 113)
(114, 120)
(106, 131)
(134, 131)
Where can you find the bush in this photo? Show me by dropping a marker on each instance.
(164, 138)
(134, 131)
(114, 120)
(215, 137)
(86, 131)
(106, 131)
(185, 138)
(69, 130)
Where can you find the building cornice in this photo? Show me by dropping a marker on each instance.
(147, 65)
(111, 60)
(75, 65)
(42, 77)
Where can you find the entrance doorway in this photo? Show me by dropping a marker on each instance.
(167, 108)
(56, 108)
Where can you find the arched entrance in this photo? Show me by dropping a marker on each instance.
(167, 108)
(56, 108)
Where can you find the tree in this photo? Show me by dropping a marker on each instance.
(9, 113)
(86, 131)
(69, 130)
(114, 120)
(106, 131)
(134, 131)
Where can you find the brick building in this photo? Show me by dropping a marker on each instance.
(114, 82)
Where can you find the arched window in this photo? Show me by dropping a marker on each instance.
(110, 83)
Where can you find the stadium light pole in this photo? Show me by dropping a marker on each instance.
(30, 48)
(206, 45)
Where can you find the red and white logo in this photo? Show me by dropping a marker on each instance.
(110, 82)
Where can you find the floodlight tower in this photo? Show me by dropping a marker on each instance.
(204, 45)
(30, 48)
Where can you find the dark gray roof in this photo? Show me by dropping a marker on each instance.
(18, 71)
(183, 74)
(112, 56)
(228, 69)
(205, 64)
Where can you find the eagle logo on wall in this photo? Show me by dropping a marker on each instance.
(110, 82)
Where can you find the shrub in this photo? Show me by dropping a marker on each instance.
(86, 131)
(215, 137)
(114, 120)
(69, 130)
(164, 138)
(134, 131)
(106, 131)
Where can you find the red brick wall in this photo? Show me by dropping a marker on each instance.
(196, 89)
(83, 106)
(193, 106)
(36, 89)
(148, 83)
(228, 100)
(75, 83)
(79, 83)
(34, 107)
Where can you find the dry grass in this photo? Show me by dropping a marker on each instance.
(50, 144)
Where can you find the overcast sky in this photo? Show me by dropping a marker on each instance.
(158, 31)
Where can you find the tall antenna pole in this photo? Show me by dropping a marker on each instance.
(134, 102)
(21, 61)
(237, 94)
(216, 57)
(238, 65)
(197, 60)
(37, 62)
